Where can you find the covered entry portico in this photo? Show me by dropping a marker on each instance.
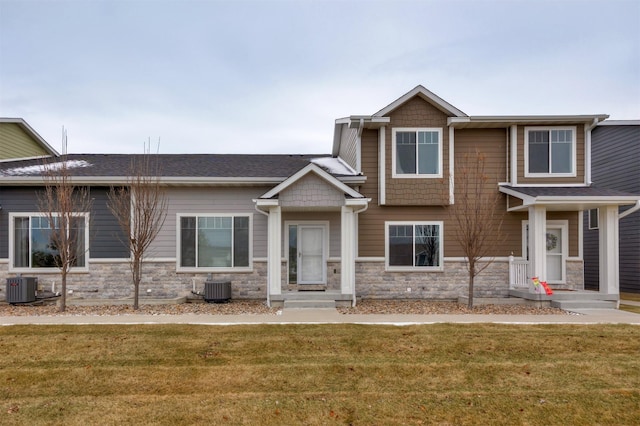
(537, 201)
(312, 214)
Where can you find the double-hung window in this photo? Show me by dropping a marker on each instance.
(33, 243)
(550, 151)
(417, 152)
(414, 245)
(212, 241)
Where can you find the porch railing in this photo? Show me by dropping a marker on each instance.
(518, 273)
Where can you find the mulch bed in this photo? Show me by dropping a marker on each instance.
(244, 307)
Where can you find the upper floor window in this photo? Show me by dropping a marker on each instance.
(414, 245)
(214, 241)
(417, 152)
(550, 152)
(33, 245)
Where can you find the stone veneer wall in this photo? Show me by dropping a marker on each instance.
(575, 276)
(373, 282)
(112, 280)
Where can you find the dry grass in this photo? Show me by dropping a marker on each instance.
(320, 374)
(630, 308)
(630, 296)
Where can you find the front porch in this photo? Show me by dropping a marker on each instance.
(521, 286)
(311, 225)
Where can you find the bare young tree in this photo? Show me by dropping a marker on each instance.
(63, 206)
(477, 215)
(140, 208)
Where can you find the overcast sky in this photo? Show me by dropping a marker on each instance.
(272, 76)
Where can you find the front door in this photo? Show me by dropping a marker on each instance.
(555, 255)
(307, 262)
(311, 260)
(556, 240)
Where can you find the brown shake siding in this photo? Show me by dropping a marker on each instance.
(372, 222)
(417, 112)
(553, 180)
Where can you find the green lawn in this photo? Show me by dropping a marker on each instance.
(452, 374)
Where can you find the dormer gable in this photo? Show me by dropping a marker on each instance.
(425, 95)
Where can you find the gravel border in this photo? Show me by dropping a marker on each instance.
(253, 307)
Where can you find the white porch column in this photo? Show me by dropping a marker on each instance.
(609, 250)
(274, 250)
(537, 242)
(347, 250)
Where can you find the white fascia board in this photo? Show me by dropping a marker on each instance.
(526, 199)
(620, 201)
(619, 123)
(312, 168)
(351, 202)
(265, 202)
(425, 94)
(367, 121)
(526, 119)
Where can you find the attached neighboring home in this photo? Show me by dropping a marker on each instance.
(19, 141)
(616, 164)
(368, 220)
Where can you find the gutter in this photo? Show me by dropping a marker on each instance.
(631, 210)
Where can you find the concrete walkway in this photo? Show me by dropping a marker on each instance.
(331, 316)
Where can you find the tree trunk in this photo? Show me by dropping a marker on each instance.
(136, 284)
(472, 273)
(63, 295)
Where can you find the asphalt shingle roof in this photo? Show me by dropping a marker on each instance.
(171, 165)
(568, 191)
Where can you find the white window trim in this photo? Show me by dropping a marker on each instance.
(574, 143)
(393, 152)
(563, 225)
(326, 233)
(597, 219)
(389, 268)
(179, 268)
(54, 270)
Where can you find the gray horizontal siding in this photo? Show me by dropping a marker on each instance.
(103, 228)
(105, 235)
(616, 164)
(210, 200)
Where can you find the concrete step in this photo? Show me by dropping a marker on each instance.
(309, 304)
(569, 305)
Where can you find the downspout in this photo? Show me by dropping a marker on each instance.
(359, 146)
(267, 215)
(353, 296)
(631, 210)
(587, 148)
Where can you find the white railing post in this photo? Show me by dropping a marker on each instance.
(518, 273)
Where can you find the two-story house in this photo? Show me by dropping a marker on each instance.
(369, 220)
(616, 164)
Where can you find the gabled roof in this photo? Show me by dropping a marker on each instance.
(428, 96)
(312, 168)
(175, 168)
(32, 133)
(568, 197)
